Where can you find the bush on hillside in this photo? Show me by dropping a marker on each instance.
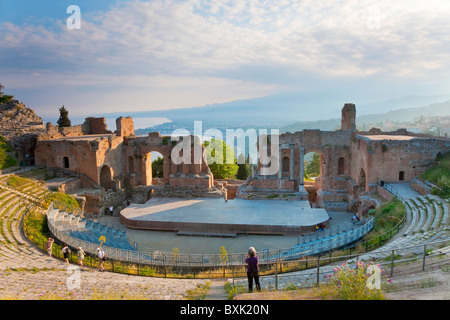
(6, 161)
(5, 98)
(439, 174)
(35, 227)
(62, 198)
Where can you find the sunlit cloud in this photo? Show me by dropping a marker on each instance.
(169, 49)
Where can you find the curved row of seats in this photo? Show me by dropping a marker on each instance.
(427, 221)
(88, 230)
(331, 239)
(15, 251)
(27, 272)
(427, 214)
(328, 232)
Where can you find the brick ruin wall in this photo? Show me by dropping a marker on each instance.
(352, 163)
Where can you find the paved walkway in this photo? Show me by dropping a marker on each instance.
(217, 290)
(404, 190)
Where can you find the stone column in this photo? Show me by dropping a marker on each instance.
(291, 164)
(302, 165)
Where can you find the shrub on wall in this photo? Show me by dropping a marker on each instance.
(62, 198)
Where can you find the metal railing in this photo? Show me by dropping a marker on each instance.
(160, 258)
(390, 188)
(390, 261)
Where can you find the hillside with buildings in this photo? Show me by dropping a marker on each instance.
(431, 119)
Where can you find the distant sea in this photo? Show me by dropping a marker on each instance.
(139, 123)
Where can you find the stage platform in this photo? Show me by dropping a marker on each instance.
(217, 216)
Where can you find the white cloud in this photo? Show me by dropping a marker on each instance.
(188, 46)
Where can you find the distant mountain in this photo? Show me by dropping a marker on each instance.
(276, 110)
(401, 115)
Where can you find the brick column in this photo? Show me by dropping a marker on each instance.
(291, 164)
(302, 165)
(280, 164)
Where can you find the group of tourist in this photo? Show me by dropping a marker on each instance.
(320, 226)
(65, 252)
(252, 261)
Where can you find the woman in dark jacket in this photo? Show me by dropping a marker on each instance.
(252, 261)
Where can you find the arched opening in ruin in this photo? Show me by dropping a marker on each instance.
(157, 167)
(312, 174)
(153, 166)
(106, 180)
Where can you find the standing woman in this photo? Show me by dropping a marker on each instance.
(252, 261)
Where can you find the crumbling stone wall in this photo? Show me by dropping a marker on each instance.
(352, 162)
(125, 126)
(115, 161)
(95, 126)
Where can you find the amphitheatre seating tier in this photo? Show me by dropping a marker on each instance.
(416, 234)
(88, 230)
(16, 252)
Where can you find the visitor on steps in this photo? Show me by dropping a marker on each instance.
(252, 261)
(101, 258)
(80, 254)
(49, 246)
(65, 251)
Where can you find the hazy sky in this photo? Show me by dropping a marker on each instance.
(149, 55)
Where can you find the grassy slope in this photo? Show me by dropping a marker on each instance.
(439, 174)
(6, 160)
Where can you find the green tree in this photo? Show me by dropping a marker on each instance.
(221, 159)
(6, 160)
(243, 168)
(63, 120)
(223, 256)
(312, 168)
(3, 97)
(157, 167)
(174, 255)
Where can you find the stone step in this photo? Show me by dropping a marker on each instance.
(445, 217)
(431, 215)
(438, 216)
(422, 216)
(336, 205)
